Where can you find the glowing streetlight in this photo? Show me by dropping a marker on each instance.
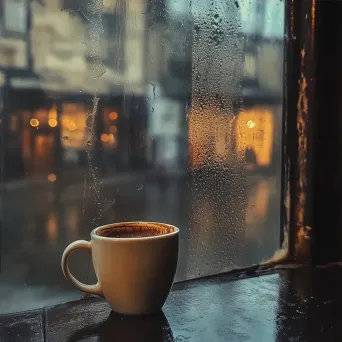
(104, 138)
(113, 116)
(52, 177)
(53, 122)
(34, 122)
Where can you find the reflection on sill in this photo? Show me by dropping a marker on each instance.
(290, 305)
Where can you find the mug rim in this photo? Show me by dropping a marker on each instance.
(93, 234)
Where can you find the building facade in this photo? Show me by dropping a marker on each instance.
(70, 62)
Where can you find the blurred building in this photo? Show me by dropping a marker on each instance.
(237, 85)
(259, 125)
(189, 64)
(169, 36)
(55, 55)
(15, 61)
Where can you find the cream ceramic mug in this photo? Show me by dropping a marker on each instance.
(135, 264)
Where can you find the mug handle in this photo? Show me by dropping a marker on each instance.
(92, 289)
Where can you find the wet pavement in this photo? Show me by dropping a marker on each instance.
(221, 227)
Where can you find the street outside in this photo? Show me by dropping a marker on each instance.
(124, 90)
(222, 227)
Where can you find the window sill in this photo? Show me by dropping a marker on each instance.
(292, 304)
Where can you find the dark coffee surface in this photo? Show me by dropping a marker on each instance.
(132, 234)
(134, 230)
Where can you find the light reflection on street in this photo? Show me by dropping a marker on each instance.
(206, 231)
(52, 227)
(72, 222)
(258, 202)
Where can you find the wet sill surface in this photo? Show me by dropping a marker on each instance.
(288, 305)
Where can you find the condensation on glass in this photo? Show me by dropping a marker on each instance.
(123, 110)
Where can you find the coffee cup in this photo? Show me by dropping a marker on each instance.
(135, 264)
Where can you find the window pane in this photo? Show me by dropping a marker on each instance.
(15, 15)
(155, 110)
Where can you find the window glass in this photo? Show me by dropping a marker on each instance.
(149, 110)
(15, 15)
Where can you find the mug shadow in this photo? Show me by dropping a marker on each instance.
(149, 328)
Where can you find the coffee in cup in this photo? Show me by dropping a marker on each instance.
(135, 264)
(130, 231)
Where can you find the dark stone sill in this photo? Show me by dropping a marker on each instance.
(292, 304)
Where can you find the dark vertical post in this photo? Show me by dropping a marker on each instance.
(29, 55)
(98, 151)
(312, 120)
(3, 131)
(297, 125)
(327, 142)
(58, 167)
(4, 116)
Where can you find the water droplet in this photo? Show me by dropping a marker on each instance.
(154, 90)
(98, 69)
(65, 137)
(140, 187)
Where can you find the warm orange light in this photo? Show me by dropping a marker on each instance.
(52, 122)
(258, 203)
(260, 139)
(104, 138)
(52, 177)
(208, 138)
(53, 113)
(52, 227)
(71, 126)
(34, 122)
(113, 116)
(113, 129)
(112, 139)
(250, 124)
